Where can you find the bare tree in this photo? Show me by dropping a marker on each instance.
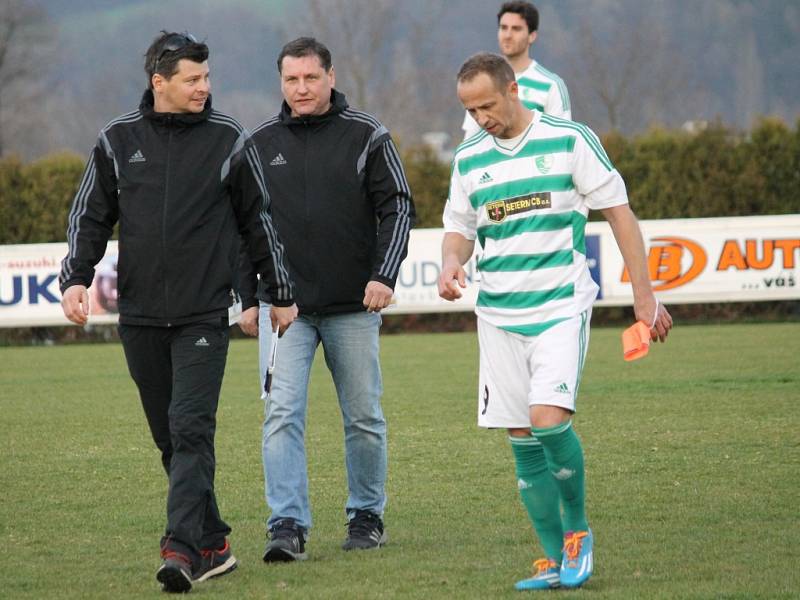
(358, 33)
(24, 41)
(385, 60)
(627, 78)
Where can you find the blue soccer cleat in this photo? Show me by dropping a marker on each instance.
(546, 576)
(576, 564)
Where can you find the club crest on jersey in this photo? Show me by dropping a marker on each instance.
(544, 163)
(498, 210)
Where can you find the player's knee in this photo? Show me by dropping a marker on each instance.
(544, 417)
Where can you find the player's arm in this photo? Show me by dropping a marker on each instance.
(629, 239)
(390, 194)
(456, 251)
(460, 223)
(94, 213)
(250, 201)
(603, 189)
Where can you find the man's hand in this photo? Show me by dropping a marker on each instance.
(75, 304)
(248, 322)
(282, 316)
(456, 251)
(377, 296)
(450, 279)
(656, 315)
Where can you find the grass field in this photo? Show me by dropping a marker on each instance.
(693, 475)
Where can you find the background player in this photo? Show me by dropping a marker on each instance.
(540, 89)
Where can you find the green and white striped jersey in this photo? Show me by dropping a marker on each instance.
(539, 89)
(528, 205)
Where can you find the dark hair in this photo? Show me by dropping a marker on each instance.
(494, 65)
(526, 10)
(306, 46)
(167, 49)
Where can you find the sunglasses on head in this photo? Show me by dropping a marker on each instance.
(175, 42)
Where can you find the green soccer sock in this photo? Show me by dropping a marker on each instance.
(539, 494)
(565, 462)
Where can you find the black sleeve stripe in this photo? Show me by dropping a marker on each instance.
(275, 247)
(361, 116)
(396, 167)
(278, 257)
(397, 245)
(126, 118)
(258, 171)
(391, 263)
(266, 124)
(81, 204)
(79, 208)
(371, 123)
(223, 119)
(238, 147)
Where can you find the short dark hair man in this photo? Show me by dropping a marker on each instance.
(184, 183)
(524, 190)
(540, 89)
(343, 207)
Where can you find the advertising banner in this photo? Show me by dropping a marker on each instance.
(29, 293)
(732, 259)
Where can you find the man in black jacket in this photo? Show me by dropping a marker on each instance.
(343, 207)
(185, 184)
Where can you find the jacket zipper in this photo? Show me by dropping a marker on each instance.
(164, 257)
(307, 206)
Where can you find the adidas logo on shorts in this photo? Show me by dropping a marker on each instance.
(561, 389)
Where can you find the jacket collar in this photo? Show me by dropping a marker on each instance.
(147, 108)
(338, 104)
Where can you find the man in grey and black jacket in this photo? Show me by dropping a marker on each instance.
(184, 182)
(342, 205)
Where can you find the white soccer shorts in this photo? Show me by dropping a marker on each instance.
(517, 371)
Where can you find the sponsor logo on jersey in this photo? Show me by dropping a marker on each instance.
(498, 210)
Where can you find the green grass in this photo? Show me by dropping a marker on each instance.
(692, 454)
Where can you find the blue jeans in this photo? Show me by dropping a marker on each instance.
(350, 342)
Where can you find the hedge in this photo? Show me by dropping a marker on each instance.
(669, 174)
(672, 174)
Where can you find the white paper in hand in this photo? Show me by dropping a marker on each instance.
(271, 356)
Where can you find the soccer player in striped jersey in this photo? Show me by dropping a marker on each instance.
(523, 187)
(539, 89)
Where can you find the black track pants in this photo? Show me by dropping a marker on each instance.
(179, 371)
